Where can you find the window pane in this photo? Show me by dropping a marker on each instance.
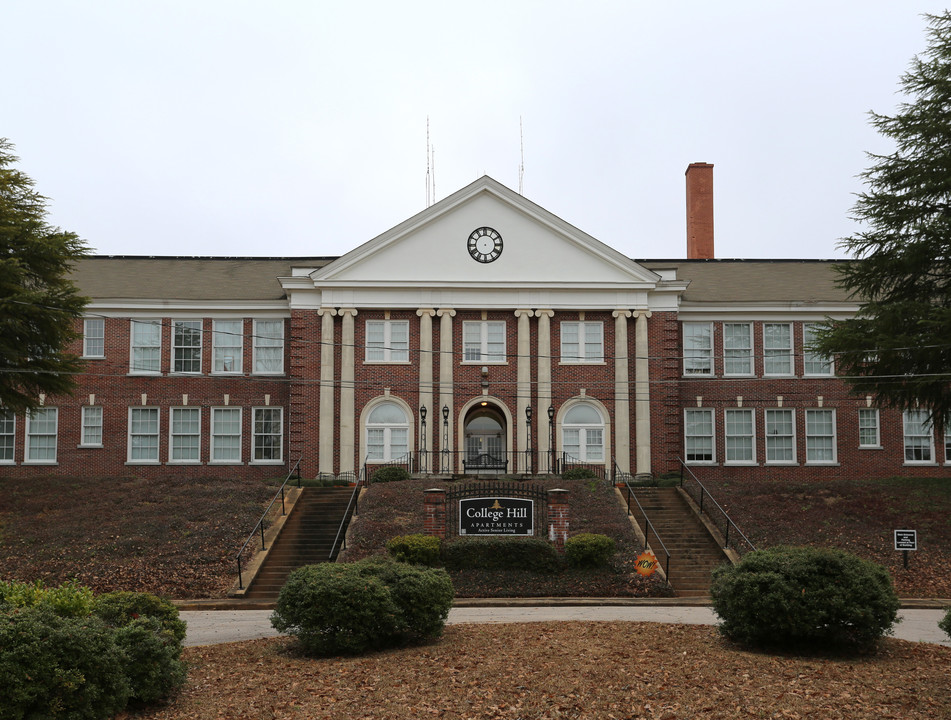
(698, 349)
(186, 339)
(868, 427)
(820, 436)
(226, 434)
(146, 345)
(269, 346)
(698, 435)
(777, 349)
(143, 434)
(737, 345)
(7, 435)
(93, 337)
(92, 426)
(739, 435)
(228, 344)
(268, 433)
(779, 436)
(917, 436)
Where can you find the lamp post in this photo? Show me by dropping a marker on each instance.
(551, 438)
(422, 420)
(445, 437)
(528, 435)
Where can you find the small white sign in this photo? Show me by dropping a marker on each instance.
(906, 539)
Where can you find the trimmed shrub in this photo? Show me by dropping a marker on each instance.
(152, 663)
(67, 600)
(122, 608)
(803, 597)
(589, 550)
(501, 553)
(415, 549)
(59, 667)
(945, 623)
(578, 473)
(389, 473)
(349, 608)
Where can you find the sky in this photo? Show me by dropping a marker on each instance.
(299, 128)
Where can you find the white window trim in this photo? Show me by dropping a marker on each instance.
(878, 429)
(710, 364)
(27, 460)
(788, 352)
(484, 342)
(132, 368)
(750, 365)
(256, 336)
(86, 336)
(158, 437)
(13, 435)
(947, 441)
(806, 353)
(752, 415)
(273, 461)
(835, 437)
(795, 448)
(582, 333)
(387, 348)
(201, 342)
(83, 425)
(171, 436)
(933, 460)
(215, 348)
(713, 437)
(211, 437)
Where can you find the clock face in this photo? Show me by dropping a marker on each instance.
(485, 244)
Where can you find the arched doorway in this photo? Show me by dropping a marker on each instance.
(484, 438)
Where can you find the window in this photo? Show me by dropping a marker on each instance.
(268, 434)
(387, 433)
(387, 341)
(269, 347)
(91, 426)
(737, 349)
(582, 342)
(227, 346)
(698, 349)
(947, 441)
(919, 440)
(186, 346)
(483, 341)
(698, 435)
(185, 440)
(226, 435)
(146, 346)
(777, 349)
(820, 436)
(7, 436)
(869, 436)
(143, 435)
(582, 433)
(94, 337)
(780, 437)
(813, 363)
(41, 431)
(738, 430)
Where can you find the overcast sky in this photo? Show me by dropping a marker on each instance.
(291, 128)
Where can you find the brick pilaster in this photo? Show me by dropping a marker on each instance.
(558, 520)
(434, 501)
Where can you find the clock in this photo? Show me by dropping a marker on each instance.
(485, 244)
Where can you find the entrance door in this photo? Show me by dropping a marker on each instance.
(485, 442)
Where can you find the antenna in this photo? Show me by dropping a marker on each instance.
(521, 164)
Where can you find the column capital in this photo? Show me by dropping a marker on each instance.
(344, 312)
(544, 313)
(327, 311)
(523, 313)
(426, 311)
(441, 312)
(642, 314)
(621, 313)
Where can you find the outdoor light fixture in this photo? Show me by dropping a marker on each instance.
(551, 413)
(422, 413)
(445, 413)
(528, 414)
(422, 418)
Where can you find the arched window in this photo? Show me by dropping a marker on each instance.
(582, 433)
(387, 433)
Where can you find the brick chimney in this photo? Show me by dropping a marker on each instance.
(700, 211)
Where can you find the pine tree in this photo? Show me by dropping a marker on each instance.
(38, 302)
(898, 346)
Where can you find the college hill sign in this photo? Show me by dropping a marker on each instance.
(496, 516)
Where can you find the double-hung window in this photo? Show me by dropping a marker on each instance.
(226, 435)
(268, 434)
(698, 348)
(777, 349)
(780, 437)
(737, 349)
(698, 436)
(582, 342)
(869, 433)
(143, 435)
(91, 426)
(185, 441)
(41, 432)
(820, 437)
(919, 438)
(268, 347)
(812, 362)
(582, 433)
(227, 346)
(186, 346)
(7, 436)
(94, 337)
(739, 436)
(387, 433)
(387, 341)
(483, 341)
(146, 346)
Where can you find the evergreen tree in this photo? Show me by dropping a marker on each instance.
(898, 346)
(38, 302)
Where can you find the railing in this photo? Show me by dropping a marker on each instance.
(262, 522)
(648, 528)
(619, 476)
(570, 463)
(700, 495)
(354, 499)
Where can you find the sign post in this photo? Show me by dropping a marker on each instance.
(906, 540)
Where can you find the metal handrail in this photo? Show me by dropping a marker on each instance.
(261, 522)
(619, 475)
(729, 521)
(648, 526)
(354, 496)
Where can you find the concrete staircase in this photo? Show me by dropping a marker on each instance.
(693, 552)
(307, 538)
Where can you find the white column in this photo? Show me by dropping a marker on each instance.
(347, 419)
(426, 382)
(622, 393)
(326, 428)
(543, 431)
(523, 386)
(642, 394)
(447, 366)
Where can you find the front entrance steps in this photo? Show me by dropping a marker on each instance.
(693, 552)
(307, 538)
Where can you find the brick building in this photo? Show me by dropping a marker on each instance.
(483, 334)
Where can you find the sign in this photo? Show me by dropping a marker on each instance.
(496, 516)
(906, 539)
(646, 563)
